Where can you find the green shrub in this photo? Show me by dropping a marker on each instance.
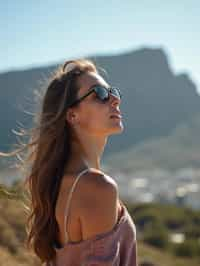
(189, 248)
(157, 236)
(192, 232)
(147, 218)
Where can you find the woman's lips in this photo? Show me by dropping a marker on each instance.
(118, 116)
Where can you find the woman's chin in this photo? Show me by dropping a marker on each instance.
(117, 129)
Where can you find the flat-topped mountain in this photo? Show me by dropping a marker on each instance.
(155, 100)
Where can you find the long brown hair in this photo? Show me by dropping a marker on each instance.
(48, 150)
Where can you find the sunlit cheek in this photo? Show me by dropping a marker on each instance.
(95, 122)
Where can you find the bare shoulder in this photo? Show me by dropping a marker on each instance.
(97, 179)
(98, 205)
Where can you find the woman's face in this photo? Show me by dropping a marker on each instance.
(93, 116)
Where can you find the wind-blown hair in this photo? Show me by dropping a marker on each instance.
(48, 151)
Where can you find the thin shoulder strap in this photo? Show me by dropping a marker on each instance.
(68, 202)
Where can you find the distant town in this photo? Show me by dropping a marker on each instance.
(181, 187)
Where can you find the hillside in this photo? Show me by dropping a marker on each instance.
(150, 218)
(180, 149)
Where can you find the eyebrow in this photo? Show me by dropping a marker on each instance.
(97, 84)
(92, 86)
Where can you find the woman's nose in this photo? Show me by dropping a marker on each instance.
(114, 100)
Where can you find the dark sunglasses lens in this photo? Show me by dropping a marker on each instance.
(115, 92)
(102, 93)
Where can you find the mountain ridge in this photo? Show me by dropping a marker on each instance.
(155, 99)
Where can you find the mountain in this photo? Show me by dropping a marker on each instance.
(155, 100)
(180, 149)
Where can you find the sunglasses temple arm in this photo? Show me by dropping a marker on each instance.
(80, 99)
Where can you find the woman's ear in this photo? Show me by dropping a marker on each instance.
(71, 116)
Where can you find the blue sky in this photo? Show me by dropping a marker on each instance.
(34, 33)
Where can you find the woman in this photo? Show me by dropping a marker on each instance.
(77, 217)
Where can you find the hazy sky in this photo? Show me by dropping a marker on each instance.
(36, 32)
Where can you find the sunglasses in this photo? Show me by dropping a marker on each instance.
(102, 93)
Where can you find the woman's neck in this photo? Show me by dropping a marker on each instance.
(87, 152)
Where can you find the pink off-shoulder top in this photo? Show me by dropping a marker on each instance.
(117, 247)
